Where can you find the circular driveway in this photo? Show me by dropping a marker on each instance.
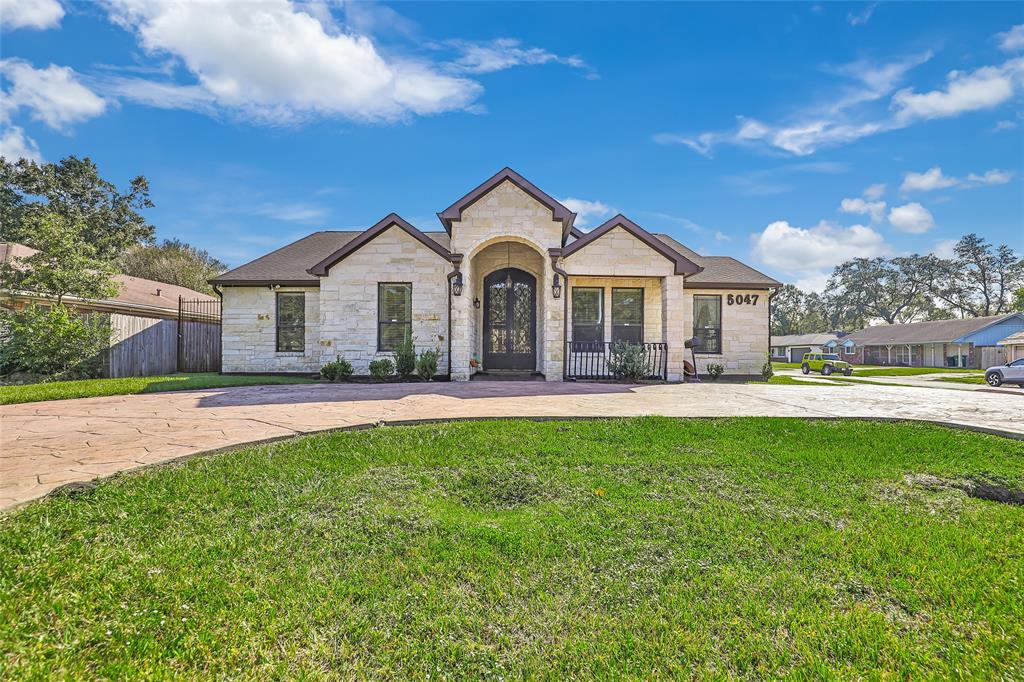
(48, 444)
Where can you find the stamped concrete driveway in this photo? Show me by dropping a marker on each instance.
(45, 445)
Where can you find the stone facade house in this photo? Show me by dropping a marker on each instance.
(509, 285)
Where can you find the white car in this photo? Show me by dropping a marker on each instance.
(1010, 373)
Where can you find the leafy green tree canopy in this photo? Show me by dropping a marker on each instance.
(110, 218)
(174, 262)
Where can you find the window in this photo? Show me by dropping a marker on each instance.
(291, 322)
(707, 323)
(848, 349)
(628, 315)
(394, 314)
(587, 315)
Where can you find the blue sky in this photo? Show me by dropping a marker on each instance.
(791, 136)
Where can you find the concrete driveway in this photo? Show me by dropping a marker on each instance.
(45, 445)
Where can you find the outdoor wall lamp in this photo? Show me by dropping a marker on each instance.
(556, 287)
(457, 284)
(476, 303)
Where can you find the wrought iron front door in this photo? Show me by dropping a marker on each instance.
(510, 320)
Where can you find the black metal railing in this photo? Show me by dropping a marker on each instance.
(590, 359)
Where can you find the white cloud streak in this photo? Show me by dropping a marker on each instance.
(858, 206)
(1012, 40)
(911, 218)
(30, 14)
(53, 95)
(587, 212)
(14, 145)
(933, 179)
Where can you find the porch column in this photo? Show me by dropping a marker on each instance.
(462, 320)
(554, 323)
(673, 327)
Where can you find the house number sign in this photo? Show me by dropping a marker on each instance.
(741, 299)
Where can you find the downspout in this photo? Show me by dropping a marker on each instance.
(555, 254)
(771, 297)
(456, 259)
(220, 295)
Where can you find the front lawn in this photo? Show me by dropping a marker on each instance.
(89, 388)
(908, 371)
(976, 379)
(642, 548)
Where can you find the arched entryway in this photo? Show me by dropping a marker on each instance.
(510, 320)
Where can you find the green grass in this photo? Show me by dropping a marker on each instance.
(909, 371)
(642, 548)
(979, 379)
(88, 388)
(785, 380)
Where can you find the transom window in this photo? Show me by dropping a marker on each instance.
(628, 315)
(587, 315)
(291, 322)
(394, 314)
(707, 323)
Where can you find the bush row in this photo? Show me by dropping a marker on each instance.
(405, 365)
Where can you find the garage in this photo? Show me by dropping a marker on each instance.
(797, 354)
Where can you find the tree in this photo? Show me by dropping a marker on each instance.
(787, 310)
(174, 262)
(979, 280)
(74, 190)
(1018, 300)
(65, 265)
(894, 290)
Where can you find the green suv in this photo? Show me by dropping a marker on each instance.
(826, 363)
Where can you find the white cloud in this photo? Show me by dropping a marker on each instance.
(271, 61)
(1005, 125)
(982, 88)
(1012, 40)
(291, 212)
(35, 14)
(930, 180)
(797, 249)
(813, 281)
(933, 179)
(876, 209)
(944, 248)
(586, 210)
(14, 145)
(862, 17)
(505, 53)
(54, 95)
(913, 218)
(876, 191)
(722, 237)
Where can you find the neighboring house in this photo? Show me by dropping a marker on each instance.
(1013, 345)
(510, 282)
(791, 347)
(143, 319)
(971, 342)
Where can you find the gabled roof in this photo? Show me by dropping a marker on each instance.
(803, 339)
(937, 331)
(390, 220)
(683, 265)
(1016, 339)
(290, 264)
(558, 212)
(721, 272)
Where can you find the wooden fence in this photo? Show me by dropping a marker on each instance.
(149, 346)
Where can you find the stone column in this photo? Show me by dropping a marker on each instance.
(673, 324)
(462, 321)
(554, 322)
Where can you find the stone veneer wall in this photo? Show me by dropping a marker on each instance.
(506, 212)
(744, 331)
(249, 332)
(618, 253)
(348, 299)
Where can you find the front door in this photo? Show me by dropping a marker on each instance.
(510, 320)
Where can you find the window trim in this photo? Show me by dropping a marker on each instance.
(628, 325)
(601, 320)
(702, 350)
(277, 321)
(380, 322)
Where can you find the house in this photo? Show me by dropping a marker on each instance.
(143, 316)
(1013, 345)
(510, 282)
(791, 347)
(971, 342)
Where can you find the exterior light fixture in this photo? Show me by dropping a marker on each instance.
(476, 303)
(556, 287)
(457, 284)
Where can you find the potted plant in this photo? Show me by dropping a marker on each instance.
(474, 362)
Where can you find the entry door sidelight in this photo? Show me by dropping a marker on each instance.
(510, 320)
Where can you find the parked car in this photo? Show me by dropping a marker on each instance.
(1010, 373)
(826, 363)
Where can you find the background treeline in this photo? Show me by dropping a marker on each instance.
(980, 279)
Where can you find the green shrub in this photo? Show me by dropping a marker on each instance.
(381, 369)
(628, 361)
(426, 364)
(715, 370)
(767, 371)
(54, 343)
(339, 370)
(405, 358)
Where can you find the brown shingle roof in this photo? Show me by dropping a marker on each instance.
(936, 331)
(720, 270)
(288, 264)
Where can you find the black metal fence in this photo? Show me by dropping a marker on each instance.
(198, 335)
(590, 360)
